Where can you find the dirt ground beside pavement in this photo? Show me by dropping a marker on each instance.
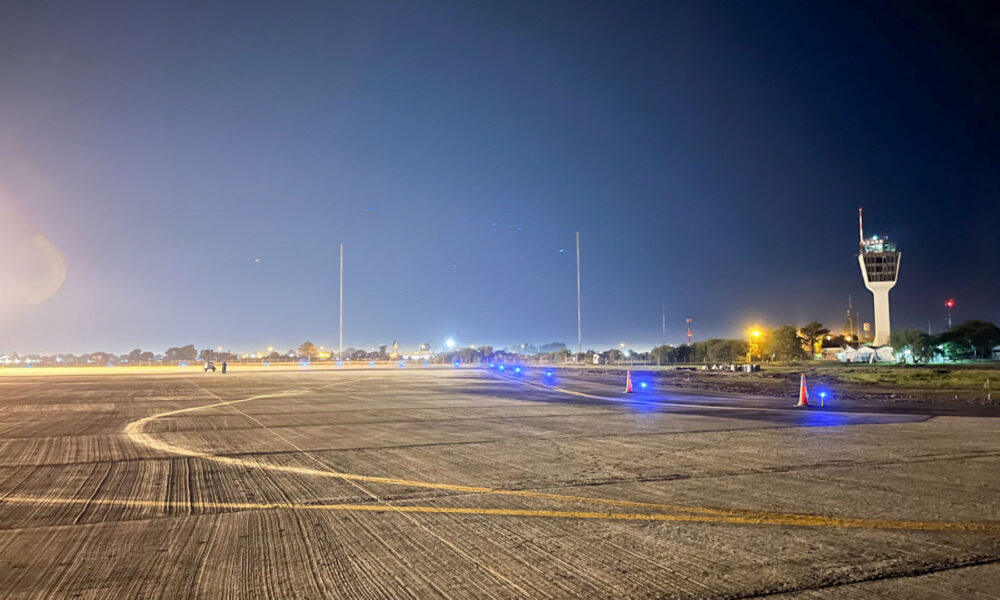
(901, 384)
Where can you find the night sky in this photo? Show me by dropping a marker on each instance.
(712, 156)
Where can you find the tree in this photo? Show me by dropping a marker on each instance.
(978, 335)
(917, 342)
(100, 357)
(553, 347)
(812, 333)
(726, 351)
(135, 355)
(207, 354)
(683, 353)
(308, 350)
(785, 343)
(184, 353)
(664, 354)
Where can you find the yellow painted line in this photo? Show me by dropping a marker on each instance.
(135, 431)
(801, 521)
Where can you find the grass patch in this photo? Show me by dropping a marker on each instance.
(966, 377)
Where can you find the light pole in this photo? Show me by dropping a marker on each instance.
(949, 304)
(579, 328)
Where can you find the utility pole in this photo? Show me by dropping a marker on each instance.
(579, 322)
(340, 351)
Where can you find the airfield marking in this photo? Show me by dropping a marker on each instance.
(134, 431)
(371, 494)
(812, 522)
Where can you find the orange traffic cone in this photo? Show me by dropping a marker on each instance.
(628, 382)
(803, 392)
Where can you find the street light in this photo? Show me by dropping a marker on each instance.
(752, 345)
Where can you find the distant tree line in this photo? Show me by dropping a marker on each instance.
(782, 343)
(972, 339)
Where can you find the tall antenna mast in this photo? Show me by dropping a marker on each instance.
(663, 323)
(340, 351)
(861, 229)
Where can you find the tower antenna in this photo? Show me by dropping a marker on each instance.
(861, 229)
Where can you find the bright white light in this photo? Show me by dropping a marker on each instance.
(450, 343)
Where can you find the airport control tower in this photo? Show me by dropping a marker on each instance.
(879, 262)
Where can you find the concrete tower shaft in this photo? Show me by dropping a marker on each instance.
(879, 261)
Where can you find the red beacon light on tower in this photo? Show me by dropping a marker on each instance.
(950, 303)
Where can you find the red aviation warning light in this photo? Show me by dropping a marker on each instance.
(950, 303)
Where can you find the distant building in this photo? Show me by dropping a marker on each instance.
(852, 324)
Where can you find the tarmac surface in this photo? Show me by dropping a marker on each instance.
(464, 483)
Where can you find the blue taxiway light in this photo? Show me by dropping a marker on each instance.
(371, 363)
(517, 369)
(502, 367)
(304, 363)
(643, 385)
(340, 364)
(548, 373)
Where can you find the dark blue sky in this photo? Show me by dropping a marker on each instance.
(712, 156)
